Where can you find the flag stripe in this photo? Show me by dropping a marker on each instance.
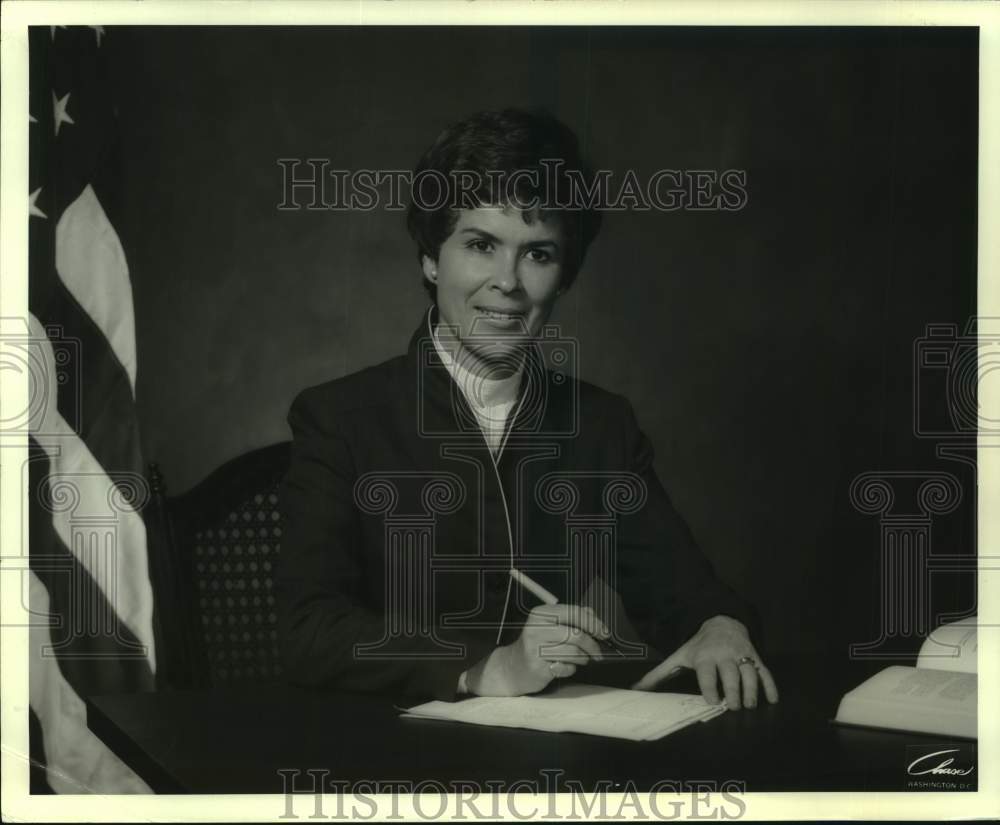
(91, 263)
(96, 396)
(77, 479)
(85, 624)
(90, 590)
(77, 761)
(36, 750)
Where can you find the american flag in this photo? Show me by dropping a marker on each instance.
(89, 587)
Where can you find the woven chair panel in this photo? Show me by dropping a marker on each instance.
(233, 573)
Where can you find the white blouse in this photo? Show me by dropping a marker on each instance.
(491, 399)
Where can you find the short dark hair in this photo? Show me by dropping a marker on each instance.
(492, 146)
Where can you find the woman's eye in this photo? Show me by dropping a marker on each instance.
(480, 245)
(539, 256)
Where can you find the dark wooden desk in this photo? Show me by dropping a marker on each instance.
(236, 741)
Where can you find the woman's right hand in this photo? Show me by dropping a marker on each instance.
(556, 639)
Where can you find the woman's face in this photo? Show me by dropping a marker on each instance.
(497, 281)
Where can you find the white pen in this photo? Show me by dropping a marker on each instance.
(533, 587)
(548, 598)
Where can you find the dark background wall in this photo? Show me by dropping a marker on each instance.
(768, 352)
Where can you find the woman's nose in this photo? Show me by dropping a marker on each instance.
(505, 276)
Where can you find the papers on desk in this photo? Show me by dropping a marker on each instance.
(576, 708)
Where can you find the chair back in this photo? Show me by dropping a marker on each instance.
(226, 536)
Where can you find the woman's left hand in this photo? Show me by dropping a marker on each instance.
(714, 653)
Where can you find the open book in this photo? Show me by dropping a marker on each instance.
(578, 708)
(937, 696)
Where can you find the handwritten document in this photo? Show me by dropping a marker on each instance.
(577, 708)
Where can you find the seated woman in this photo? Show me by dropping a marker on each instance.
(417, 485)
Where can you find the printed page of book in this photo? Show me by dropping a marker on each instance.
(908, 698)
(952, 647)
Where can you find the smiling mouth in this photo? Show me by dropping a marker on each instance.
(500, 316)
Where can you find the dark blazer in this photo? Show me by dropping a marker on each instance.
(400, 526)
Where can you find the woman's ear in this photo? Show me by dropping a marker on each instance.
(430, 268)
